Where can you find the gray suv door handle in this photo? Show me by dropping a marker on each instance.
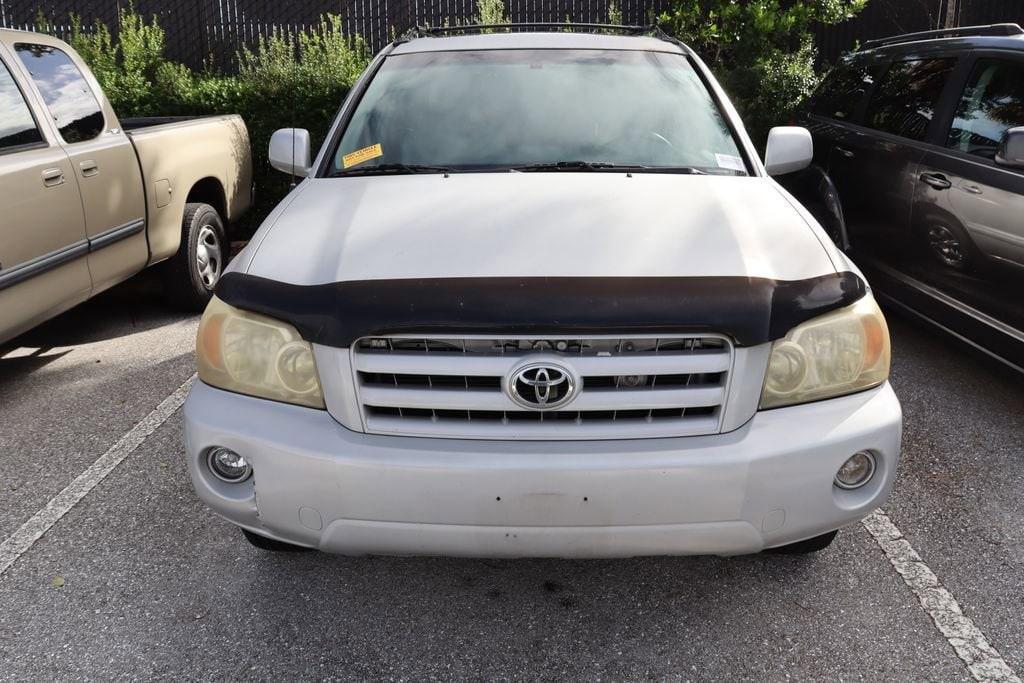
(974, 189)
(936, 180)
(845, 152)
(53, 177)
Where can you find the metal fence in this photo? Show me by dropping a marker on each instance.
(209, 33)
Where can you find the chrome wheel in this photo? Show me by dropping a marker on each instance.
(209, 256)
(946, 246)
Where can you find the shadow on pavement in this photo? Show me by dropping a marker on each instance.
(129, 308)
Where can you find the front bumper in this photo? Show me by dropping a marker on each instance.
(318, 484)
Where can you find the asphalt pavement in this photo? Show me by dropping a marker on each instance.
(138, 580)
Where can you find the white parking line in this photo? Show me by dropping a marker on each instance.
(32, 530)
(982, 660)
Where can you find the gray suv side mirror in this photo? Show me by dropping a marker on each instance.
(1011, 149)
(290, 151)
(790, 148)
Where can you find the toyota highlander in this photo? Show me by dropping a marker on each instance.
(537, 296)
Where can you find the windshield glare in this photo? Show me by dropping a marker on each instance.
(501, 109)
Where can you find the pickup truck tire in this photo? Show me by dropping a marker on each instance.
(806, 546)
(190, 275)
(264, 543)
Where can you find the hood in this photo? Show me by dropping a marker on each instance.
(536, 225)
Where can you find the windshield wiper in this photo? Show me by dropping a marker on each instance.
(565, 166)
(606, 166)
(392, 169)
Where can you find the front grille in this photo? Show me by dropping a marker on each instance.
(636, 387)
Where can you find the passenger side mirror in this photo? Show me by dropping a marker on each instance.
(1011, 148)
(289, 151)
(790, 149)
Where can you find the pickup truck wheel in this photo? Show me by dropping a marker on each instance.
(264, 543)
(806, 546)
(192, 273)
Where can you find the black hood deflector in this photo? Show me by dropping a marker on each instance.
(750, 310)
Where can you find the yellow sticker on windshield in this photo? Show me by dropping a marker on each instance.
(361, 155)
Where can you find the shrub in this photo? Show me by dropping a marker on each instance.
(762, 51)
(489, 12)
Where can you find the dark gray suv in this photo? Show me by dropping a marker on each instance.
(919, 172)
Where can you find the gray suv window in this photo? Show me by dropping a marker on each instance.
(68, 97)
(904, 101)
(17, 127)
(841, 91)
(992, 102)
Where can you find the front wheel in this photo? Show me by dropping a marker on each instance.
(191, 275)
(950, 245)
(806, 546)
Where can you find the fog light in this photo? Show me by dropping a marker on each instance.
(227, 465)
(856, 471)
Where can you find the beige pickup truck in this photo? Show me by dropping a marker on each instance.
(87, 201)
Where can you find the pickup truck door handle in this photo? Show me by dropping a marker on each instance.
(53, 177)
(89, 168)
(936, 180)
(845, 152)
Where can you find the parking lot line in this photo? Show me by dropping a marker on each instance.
(982, 660)
(32, 530)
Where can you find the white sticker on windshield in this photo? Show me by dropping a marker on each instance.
(729, 161)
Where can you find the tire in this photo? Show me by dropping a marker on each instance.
(264, 543)
(948, 244)
(190, 275)
(806, 546)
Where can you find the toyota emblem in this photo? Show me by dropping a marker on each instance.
(542, 386)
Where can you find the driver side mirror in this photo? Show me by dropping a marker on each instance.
(790, 149)
(1011, 149)
(290, 151)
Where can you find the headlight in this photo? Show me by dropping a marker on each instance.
(251, 354)
(838, 353)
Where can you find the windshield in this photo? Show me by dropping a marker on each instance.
(513, 109)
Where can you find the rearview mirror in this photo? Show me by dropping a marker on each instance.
(1011, 148)
(289, 151)
(790, 148)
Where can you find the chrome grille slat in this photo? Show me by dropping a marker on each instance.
(403, 363)
(454, 387)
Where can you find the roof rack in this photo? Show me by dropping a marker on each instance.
(434, 31)
(987, 30)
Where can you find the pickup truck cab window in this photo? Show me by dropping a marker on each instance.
(992, 102)
(507, 109)
(905, 100)
(17, 127)
(67, 95)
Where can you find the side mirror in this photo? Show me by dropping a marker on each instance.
(1011, 148)
(289, 151)
(790, 148)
